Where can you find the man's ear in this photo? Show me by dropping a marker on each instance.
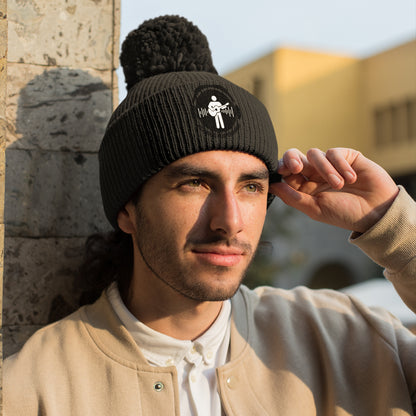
(126, 220)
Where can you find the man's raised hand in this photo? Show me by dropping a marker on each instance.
(340, 187)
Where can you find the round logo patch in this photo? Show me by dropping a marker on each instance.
(215, 108)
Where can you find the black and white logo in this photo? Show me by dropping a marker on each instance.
(215, 108)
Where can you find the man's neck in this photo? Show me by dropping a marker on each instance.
(168, 311)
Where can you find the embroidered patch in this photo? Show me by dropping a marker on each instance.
(215, 108)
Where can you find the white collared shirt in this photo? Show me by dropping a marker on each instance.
(195, 361)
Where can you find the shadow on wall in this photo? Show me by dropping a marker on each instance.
(52, 199)
(52, 175)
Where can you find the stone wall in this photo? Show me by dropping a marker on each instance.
(3, 73)
(61, 90)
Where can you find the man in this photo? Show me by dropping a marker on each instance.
(177, 333)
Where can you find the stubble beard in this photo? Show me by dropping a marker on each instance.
(156, 255)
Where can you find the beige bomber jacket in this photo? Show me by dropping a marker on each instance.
(297, 352)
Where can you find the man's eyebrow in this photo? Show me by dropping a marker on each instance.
(261, 174)
(188, 170)
(185, 169)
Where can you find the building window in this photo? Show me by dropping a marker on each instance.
(383, 126)
(411, 119)
(396, 122)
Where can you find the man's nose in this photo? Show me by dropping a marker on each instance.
(226, 214)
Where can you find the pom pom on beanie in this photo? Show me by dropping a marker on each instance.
(165, 44)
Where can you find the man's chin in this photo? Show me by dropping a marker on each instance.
(211, 293)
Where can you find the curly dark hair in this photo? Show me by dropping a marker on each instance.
(107, 258)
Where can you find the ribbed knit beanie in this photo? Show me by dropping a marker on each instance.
(176, 105)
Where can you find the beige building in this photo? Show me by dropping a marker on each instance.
(326, 100)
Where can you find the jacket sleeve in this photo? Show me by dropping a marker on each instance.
(392, 244)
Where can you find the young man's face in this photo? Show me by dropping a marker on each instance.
(198, 223)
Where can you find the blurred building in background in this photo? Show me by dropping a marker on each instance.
(327, 100)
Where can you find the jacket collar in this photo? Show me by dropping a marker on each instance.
(239, 337)
(114, 340)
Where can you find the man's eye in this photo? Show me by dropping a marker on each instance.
(252, 187)
(194, 183)
(191, 183)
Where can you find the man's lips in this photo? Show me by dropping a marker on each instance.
(219, 256)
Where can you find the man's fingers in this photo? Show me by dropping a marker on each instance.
(298, 200)
(340, 187)
(295, 163)
(292, 162)
(342, 160)
(325, 169)
(333, 167)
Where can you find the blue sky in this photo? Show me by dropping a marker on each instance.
(240, 31)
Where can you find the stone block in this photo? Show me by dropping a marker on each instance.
(39, 279)
(57, 109)
(3, 90)
(2, 186)
(15, 336)
(3, 64)
(116, 33)
(1, 262)
(62, 33)
(52, 194)
(3, 28)
(3, 56)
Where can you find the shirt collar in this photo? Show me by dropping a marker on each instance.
(163, 350)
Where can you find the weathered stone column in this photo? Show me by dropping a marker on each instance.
(61, 91)
(3, 73)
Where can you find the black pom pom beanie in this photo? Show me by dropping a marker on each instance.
(171, 115)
